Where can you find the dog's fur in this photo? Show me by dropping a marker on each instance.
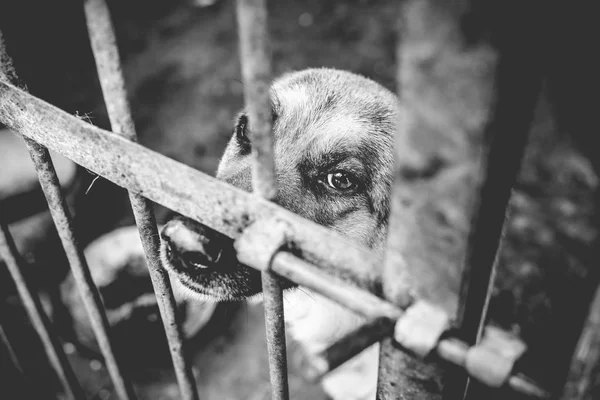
(333, 144)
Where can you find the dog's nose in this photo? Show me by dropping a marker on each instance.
(167, 231)
(197, 249)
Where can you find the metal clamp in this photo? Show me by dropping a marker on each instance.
(491, 361)
(260, 241)
(420, 328)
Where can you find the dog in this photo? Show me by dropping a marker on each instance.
(333, 147)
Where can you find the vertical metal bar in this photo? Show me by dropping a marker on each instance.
(62, 219)
(81, 272)
(435, 155)
(586, 357)
(477, 141)
(38, 317)
(256, 72)
(461, 138)
(104, 47)
(517, 86)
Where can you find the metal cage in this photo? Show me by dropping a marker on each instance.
(414, 311)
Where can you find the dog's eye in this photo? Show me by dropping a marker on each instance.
(341, 180)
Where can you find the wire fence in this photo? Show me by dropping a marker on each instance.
(415, 312)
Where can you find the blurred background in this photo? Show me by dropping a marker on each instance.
(182, 72)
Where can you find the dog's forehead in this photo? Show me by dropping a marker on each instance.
(317, 117)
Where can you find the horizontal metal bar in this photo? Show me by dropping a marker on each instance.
(106, 55)
(177, 186)
(37, 315)
(304, 273)
(255, 58)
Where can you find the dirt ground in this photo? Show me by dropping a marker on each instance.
(183, 76)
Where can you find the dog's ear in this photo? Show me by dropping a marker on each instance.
(241, 133)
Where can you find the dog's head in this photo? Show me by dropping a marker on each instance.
(333, 145)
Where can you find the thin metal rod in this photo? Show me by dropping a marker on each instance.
(451, 349)
(586, 357)
(255, 57)
(81, 272)
(355, 299)
(347, 347)
(38, 317)
(104, 47)
(445, 90)
(518, 83)
(178, 186)
(62, 220)
(11, 352)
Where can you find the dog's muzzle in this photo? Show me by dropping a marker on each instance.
(195, 249)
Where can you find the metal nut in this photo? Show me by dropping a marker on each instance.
(260, 241)
(492, 360)
(421, 327)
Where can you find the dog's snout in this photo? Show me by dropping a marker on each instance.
(166, 232)
(194, 247)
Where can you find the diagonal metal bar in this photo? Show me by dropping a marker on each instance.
(37, 315)
(81, 272)
(104, 47)
(256, 73)
(382, 314)
(11, 352)
(586, 358)
(62, 219)
(176, 186)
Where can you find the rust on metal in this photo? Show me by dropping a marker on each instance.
(38, 316)
(178, 186)
(64, 225)
(107, 147)
(81, 272)
(255, 57)
(106, 55)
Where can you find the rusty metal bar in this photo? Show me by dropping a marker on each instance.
(125, 163)
(81, 272)
(586, 357)
(18, 106)
(450, 349)
(62, 219)
(177, 186)
(255, 58)
(106, 55)
(37, 315)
